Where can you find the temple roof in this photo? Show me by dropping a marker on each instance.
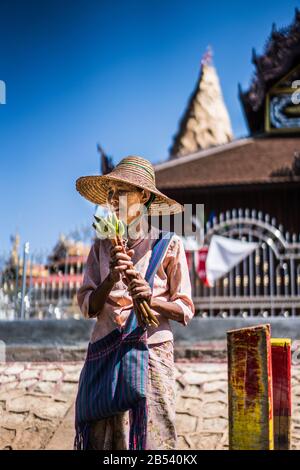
(205, 122)
(244, 161)
(68, 247)
(281, 54)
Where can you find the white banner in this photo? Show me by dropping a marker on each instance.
(225, 253)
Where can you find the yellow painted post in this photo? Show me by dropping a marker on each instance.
(250, 397)
(282, 403)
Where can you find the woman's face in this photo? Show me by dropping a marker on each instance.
(126, 201)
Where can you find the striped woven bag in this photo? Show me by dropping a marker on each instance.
(115, 373)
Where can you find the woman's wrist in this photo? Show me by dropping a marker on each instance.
(99, 296)
(169, 310)
(110, 279)
(153, 302)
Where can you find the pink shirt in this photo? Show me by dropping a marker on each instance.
(171, 283)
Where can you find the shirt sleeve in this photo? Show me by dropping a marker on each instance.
(91, 280)
(179, 279)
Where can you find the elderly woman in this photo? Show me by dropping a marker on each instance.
(105, 294)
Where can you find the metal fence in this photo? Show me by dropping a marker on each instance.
(43, 289)
(266, 283)
(26, 293)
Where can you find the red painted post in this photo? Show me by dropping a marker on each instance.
(281, 377)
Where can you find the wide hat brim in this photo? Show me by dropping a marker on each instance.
(94, 188)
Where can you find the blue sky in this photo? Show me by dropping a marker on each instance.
(79, 72)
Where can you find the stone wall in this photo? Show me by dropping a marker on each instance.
(37, 405)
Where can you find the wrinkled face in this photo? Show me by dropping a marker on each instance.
(126, 200)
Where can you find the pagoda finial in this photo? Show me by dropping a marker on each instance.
(274, 33)
(100, 150)
(205, 122)
(207, 56)
(106, 162)
(15, 240)
(274, 28)
(254, 56)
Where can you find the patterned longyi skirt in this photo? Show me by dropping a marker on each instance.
(113, 433)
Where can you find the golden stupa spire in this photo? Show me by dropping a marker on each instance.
(205, 122)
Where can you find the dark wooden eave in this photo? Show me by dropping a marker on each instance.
(281, 55)
(245, 161)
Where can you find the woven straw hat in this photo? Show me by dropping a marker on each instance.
(132, 170)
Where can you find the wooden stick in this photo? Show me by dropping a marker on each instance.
(150, 320)
(139, 311)
(138, 314)
(150, 316)
(143, 306)
(149, 311)
(145, 314)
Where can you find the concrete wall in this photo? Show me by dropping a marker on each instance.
(212, 329)
(68, 339)
(46, 332)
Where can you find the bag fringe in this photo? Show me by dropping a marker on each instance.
(81, 437)
(138, 426)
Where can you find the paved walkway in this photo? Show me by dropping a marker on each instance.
(37, 405)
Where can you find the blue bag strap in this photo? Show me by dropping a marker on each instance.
(158, 251)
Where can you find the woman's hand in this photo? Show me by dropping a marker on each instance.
(119, 262)
(138, 287)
